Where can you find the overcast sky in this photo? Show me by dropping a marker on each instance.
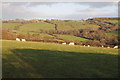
(58, 10)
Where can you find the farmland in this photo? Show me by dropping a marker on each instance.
(62, 26)
(28, 27)
(59, 39)
(36, 27)
(44, 56)
(51, 60)
(10, 25)
(71, 38)
(72, 25)
(101, 31)
(112, 33)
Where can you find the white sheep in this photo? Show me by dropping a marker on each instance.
(88, 45)
(108, 47)
(115, 47)
(102, 46)
(64, 43)
(71, 43)
(17, 39)
(23, 39)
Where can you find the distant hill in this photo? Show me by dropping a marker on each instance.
(101, 29)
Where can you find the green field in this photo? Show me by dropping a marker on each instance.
(72, 25)
(112, 21)
(71, 38)
(112, 33)
(50, 60)
(10, 25)
(45, 35)
(24, 28)
(62, 26)
(37, 27)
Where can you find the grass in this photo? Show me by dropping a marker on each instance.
(112, 21)
(10, 25)
(50, 60)
(71, 38)
(72, 25)
(24, 28)
(45, 35)
(36, 27)
(112, 33)
(0, 23)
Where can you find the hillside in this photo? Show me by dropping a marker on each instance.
(102, 31)
(51, 60)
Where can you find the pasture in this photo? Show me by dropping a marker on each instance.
(113, 33)
(36, 27)
(24, 28)
(71, 38)
(10, 25)
(51, 60)
(112, 21)
(43, 35)
(72, 25)
(62, 26)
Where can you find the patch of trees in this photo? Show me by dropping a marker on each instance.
(6, 34)
(94, 35)
(55, 25)
(96, 38)
(9, 35)
(106, 18)
(104, 25)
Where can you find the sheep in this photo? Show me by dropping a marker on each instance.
(23, 40)
(102, 46)
(88, 45)
(115, 47)
(17, 39)
(71, 43)
(64, 43)
(108, 47)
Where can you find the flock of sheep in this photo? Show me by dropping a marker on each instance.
(17, 39)
(71, 43)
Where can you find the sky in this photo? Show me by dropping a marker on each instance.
(58, 10)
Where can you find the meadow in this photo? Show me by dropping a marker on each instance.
(112, 21)
(51, 60)
(62, 26)
(10, 25)
(28, 26)
(113, 33)
(72, 25)
(36, 27)
(70, 38)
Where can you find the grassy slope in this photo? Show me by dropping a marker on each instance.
(0, 24)
(45, 35)
(10, 25)
(29, 26)
(50, 60)
(112, 33)
(72, 25)
(37, 27)
(71, 38)
(112, 21)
